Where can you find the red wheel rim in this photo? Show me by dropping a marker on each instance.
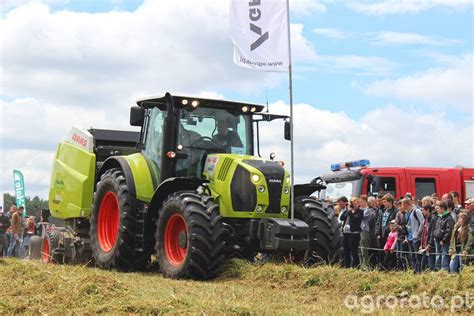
(108, 221)
(176, 229)
(45, 250)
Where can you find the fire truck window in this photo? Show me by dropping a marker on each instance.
(382, 185)
(469, 188)
(424, 187)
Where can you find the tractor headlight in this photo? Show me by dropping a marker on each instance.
(255, 178)
(288, 179)
(195, 103)
(286, 190)
(245, 109)
(284, 210)
(261, 189)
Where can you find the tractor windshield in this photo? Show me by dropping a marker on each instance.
(210, 130)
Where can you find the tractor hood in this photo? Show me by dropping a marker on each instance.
(248, 186)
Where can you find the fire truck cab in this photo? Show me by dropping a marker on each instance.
(355, 178)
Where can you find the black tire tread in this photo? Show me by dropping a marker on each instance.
(123, 256)
(205, 256)
(324, 230)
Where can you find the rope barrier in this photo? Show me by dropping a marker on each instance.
(417, 253)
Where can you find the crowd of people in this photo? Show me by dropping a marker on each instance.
(429, 234)
(16, 232)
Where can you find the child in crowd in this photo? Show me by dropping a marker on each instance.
(389, 247)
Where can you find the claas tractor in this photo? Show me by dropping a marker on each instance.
(189, 189)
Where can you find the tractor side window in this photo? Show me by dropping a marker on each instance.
(153, 142)
(424, 187)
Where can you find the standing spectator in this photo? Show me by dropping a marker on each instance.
(4, 225)
(426, 258)
(469, 203)
(368, 216)
(382, 229)
(389, 247)
(9, 214)
(461, 242)
(17, 234)
(342, 203)
(11, 211)
(351, 220)
(30, 230)
(442, 235)
(373, 254)
(402, 237)
(414, 232)
(435, 197)
(456, 201)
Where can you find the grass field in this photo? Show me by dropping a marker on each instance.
(29, 287)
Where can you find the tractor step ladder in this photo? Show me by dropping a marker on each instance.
(140, 229)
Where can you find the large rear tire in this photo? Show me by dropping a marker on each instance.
(324, 230)
(190, 237)
(113, 225)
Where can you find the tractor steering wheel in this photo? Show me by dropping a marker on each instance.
(207, 145)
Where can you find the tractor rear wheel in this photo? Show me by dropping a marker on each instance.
(113, 225)
(324, 230)
(190, 237)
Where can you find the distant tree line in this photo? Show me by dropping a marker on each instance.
(33, 205)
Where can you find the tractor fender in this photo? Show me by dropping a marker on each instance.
(119, 162)
(169, 186)
(308, 188)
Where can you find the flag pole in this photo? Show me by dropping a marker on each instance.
(292, 165)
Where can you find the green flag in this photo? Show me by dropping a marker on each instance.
(19, 184)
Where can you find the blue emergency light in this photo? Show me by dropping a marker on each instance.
(350, 164)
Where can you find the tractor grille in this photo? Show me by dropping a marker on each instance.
(244, 194)
(224, 169)
(274, 174)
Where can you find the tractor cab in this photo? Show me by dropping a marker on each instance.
(178, 132)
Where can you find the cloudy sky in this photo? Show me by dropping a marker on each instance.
(389, 80)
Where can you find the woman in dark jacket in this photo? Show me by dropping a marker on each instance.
(351, 220)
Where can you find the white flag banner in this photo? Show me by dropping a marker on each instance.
(259, 30)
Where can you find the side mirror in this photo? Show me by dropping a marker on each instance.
(137, 116)
(287, 131)
(272, 156)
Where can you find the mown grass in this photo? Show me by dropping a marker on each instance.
(29, 287)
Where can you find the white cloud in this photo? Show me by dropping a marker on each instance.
(451, 86)
(331, 33)
(359, 65)
(387, 7)
(399, 38)
(304, 7)
(386, 136)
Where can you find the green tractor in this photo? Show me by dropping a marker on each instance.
(187, 189)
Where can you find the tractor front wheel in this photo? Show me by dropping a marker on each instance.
(190, 237)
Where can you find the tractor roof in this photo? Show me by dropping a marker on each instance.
(160, 102)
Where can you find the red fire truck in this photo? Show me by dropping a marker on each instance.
(354, 178)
